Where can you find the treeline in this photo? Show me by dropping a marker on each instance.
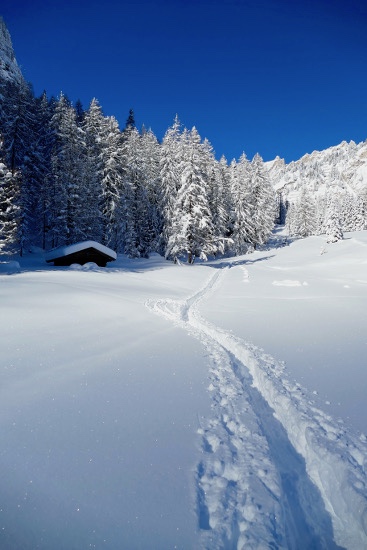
(68, 175)
(330, 214)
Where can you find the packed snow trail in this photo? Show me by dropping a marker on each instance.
(276, 472)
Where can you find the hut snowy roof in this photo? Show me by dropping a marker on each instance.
(81, 253)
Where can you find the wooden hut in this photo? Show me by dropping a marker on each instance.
(81, 253)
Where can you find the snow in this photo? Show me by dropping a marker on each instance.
(9, 69)
(9, 267)
(77, 247)
(340, 168)
(220, 405)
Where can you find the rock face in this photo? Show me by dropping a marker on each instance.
(342, 168)
(9, 69)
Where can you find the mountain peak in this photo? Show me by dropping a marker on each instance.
(9, 69)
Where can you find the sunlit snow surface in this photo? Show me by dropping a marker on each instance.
(137, 402)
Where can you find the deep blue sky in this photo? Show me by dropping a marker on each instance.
(278, 77)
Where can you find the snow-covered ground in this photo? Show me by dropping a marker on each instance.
(148, 405)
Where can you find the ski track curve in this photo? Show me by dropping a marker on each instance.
(276, 471)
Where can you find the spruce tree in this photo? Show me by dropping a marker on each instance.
(301, 218)
(10, 184)
(222, 203)
(135, 200)
(93, 126)
(332, 224)
(66, 197)
(130, 121)
(263, 204)
(241, 225)
(150, 154)
(171, 163)
(113, 166)
(21, 155)
(193, 232)
(36, 171)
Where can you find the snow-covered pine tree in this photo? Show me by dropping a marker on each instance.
(57, 193)
(281, 207)
(150, 154)
(193, 233)
(291, 219)
(80, 113)
(20, 131)
(137, 231)
(301, 216)
(361, 210)
(170, 177)
(113, 164)
(93, 125)
(348, 211)
(224, 206)
(241, 224)
(20, 138)
(36, 174)
(319, 205)
(10, 183)
(332, 223)
(262, 203)
(43, 180)
(67, 200)
(216, 183)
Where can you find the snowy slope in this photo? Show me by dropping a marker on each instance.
(148, 405)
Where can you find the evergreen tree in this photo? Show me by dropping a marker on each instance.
(171, 163)
(20, 144)
(193, 234)
(301, 215)
(262, 203)
(222, 204)
(10, 183)
(332, 225)
(113, 165)
(130, 122)
(80, 113)
(241, 214)
(67, 199)
(150, 154)
(348, 212)
(320, 207)
(281, 208)
(215, 193)
(36, 171)
(19, 126)
(137, 235)
(94, 126)
(42, 175)
(361, 210)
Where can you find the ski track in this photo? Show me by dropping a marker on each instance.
(276, 472)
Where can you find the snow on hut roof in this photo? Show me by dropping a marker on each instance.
(78, 247)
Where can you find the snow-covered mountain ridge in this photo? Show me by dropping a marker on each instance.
(342, 167)
(9, 69)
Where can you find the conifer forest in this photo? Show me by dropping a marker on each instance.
(69, 174)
